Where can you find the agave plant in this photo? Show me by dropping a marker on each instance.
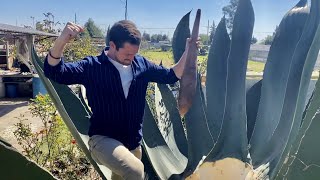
(230, 132)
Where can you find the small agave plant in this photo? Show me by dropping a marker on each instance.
(231, 131)
(234, 132)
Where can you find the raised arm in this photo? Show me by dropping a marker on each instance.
(54, 66)
(69, 32)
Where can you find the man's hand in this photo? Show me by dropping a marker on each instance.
(189, 41)
(179, 67)
(69, 32)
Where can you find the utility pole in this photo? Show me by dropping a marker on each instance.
(75, 18)
(208, 33)
(32, 21)
(52, 21)
(126, 12)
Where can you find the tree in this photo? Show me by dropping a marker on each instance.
(158, 37)
(275, 31)
(39, 26)
(154, 38)
(108, 36)
(164, 37)
(203, 38)
(93, 29)
(47, 25)
(79, 48)
(269, 39)
(229, 11)
(212, 32)
(254, 40)
(146, 36)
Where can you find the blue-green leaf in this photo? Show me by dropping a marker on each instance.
(302, 162)
(200, 140)
(180, 35)
(252, 99)
(216, 79)
(169, 121)
(164, 162)
(276, 74)
(295, 94)
(16, 166)
(232, 141)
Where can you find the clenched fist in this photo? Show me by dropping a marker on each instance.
(70, 32)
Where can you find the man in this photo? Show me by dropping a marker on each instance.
(116, 83)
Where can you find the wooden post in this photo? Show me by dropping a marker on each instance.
(9, 64)
(30, 41)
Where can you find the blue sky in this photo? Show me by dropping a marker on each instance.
(149, 15)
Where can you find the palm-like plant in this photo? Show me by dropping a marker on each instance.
(231, 132)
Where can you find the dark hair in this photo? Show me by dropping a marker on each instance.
(124, 31)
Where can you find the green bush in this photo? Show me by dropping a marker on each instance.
(53, 147)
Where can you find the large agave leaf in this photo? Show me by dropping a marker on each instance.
(164, 162)
(303, 161)
(84, 101)
(313, 39)
(16, 166)
(169, 121)
(313, 105)
(232, 141)
(72, 111)
(180, 35)
(295, 96)
(252, 99)
(189, 78)
(149, 172)
(162, 156)
(276, 76)
(200, 141)
(216, 79)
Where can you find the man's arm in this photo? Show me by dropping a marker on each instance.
(69, 32)
(179, 66)
(54, 66)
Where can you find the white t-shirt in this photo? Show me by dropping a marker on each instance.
(125, 74)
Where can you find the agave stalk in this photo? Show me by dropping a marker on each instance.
(189, 78)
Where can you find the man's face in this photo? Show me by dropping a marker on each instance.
(125, 55)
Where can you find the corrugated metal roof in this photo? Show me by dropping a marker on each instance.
(20, 30)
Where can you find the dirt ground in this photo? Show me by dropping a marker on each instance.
(10, 111)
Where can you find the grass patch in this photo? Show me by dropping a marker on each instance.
(255, 66)
(157, 56)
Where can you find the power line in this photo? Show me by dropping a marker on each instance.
(154, 28)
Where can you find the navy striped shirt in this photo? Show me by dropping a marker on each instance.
(113, 115)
